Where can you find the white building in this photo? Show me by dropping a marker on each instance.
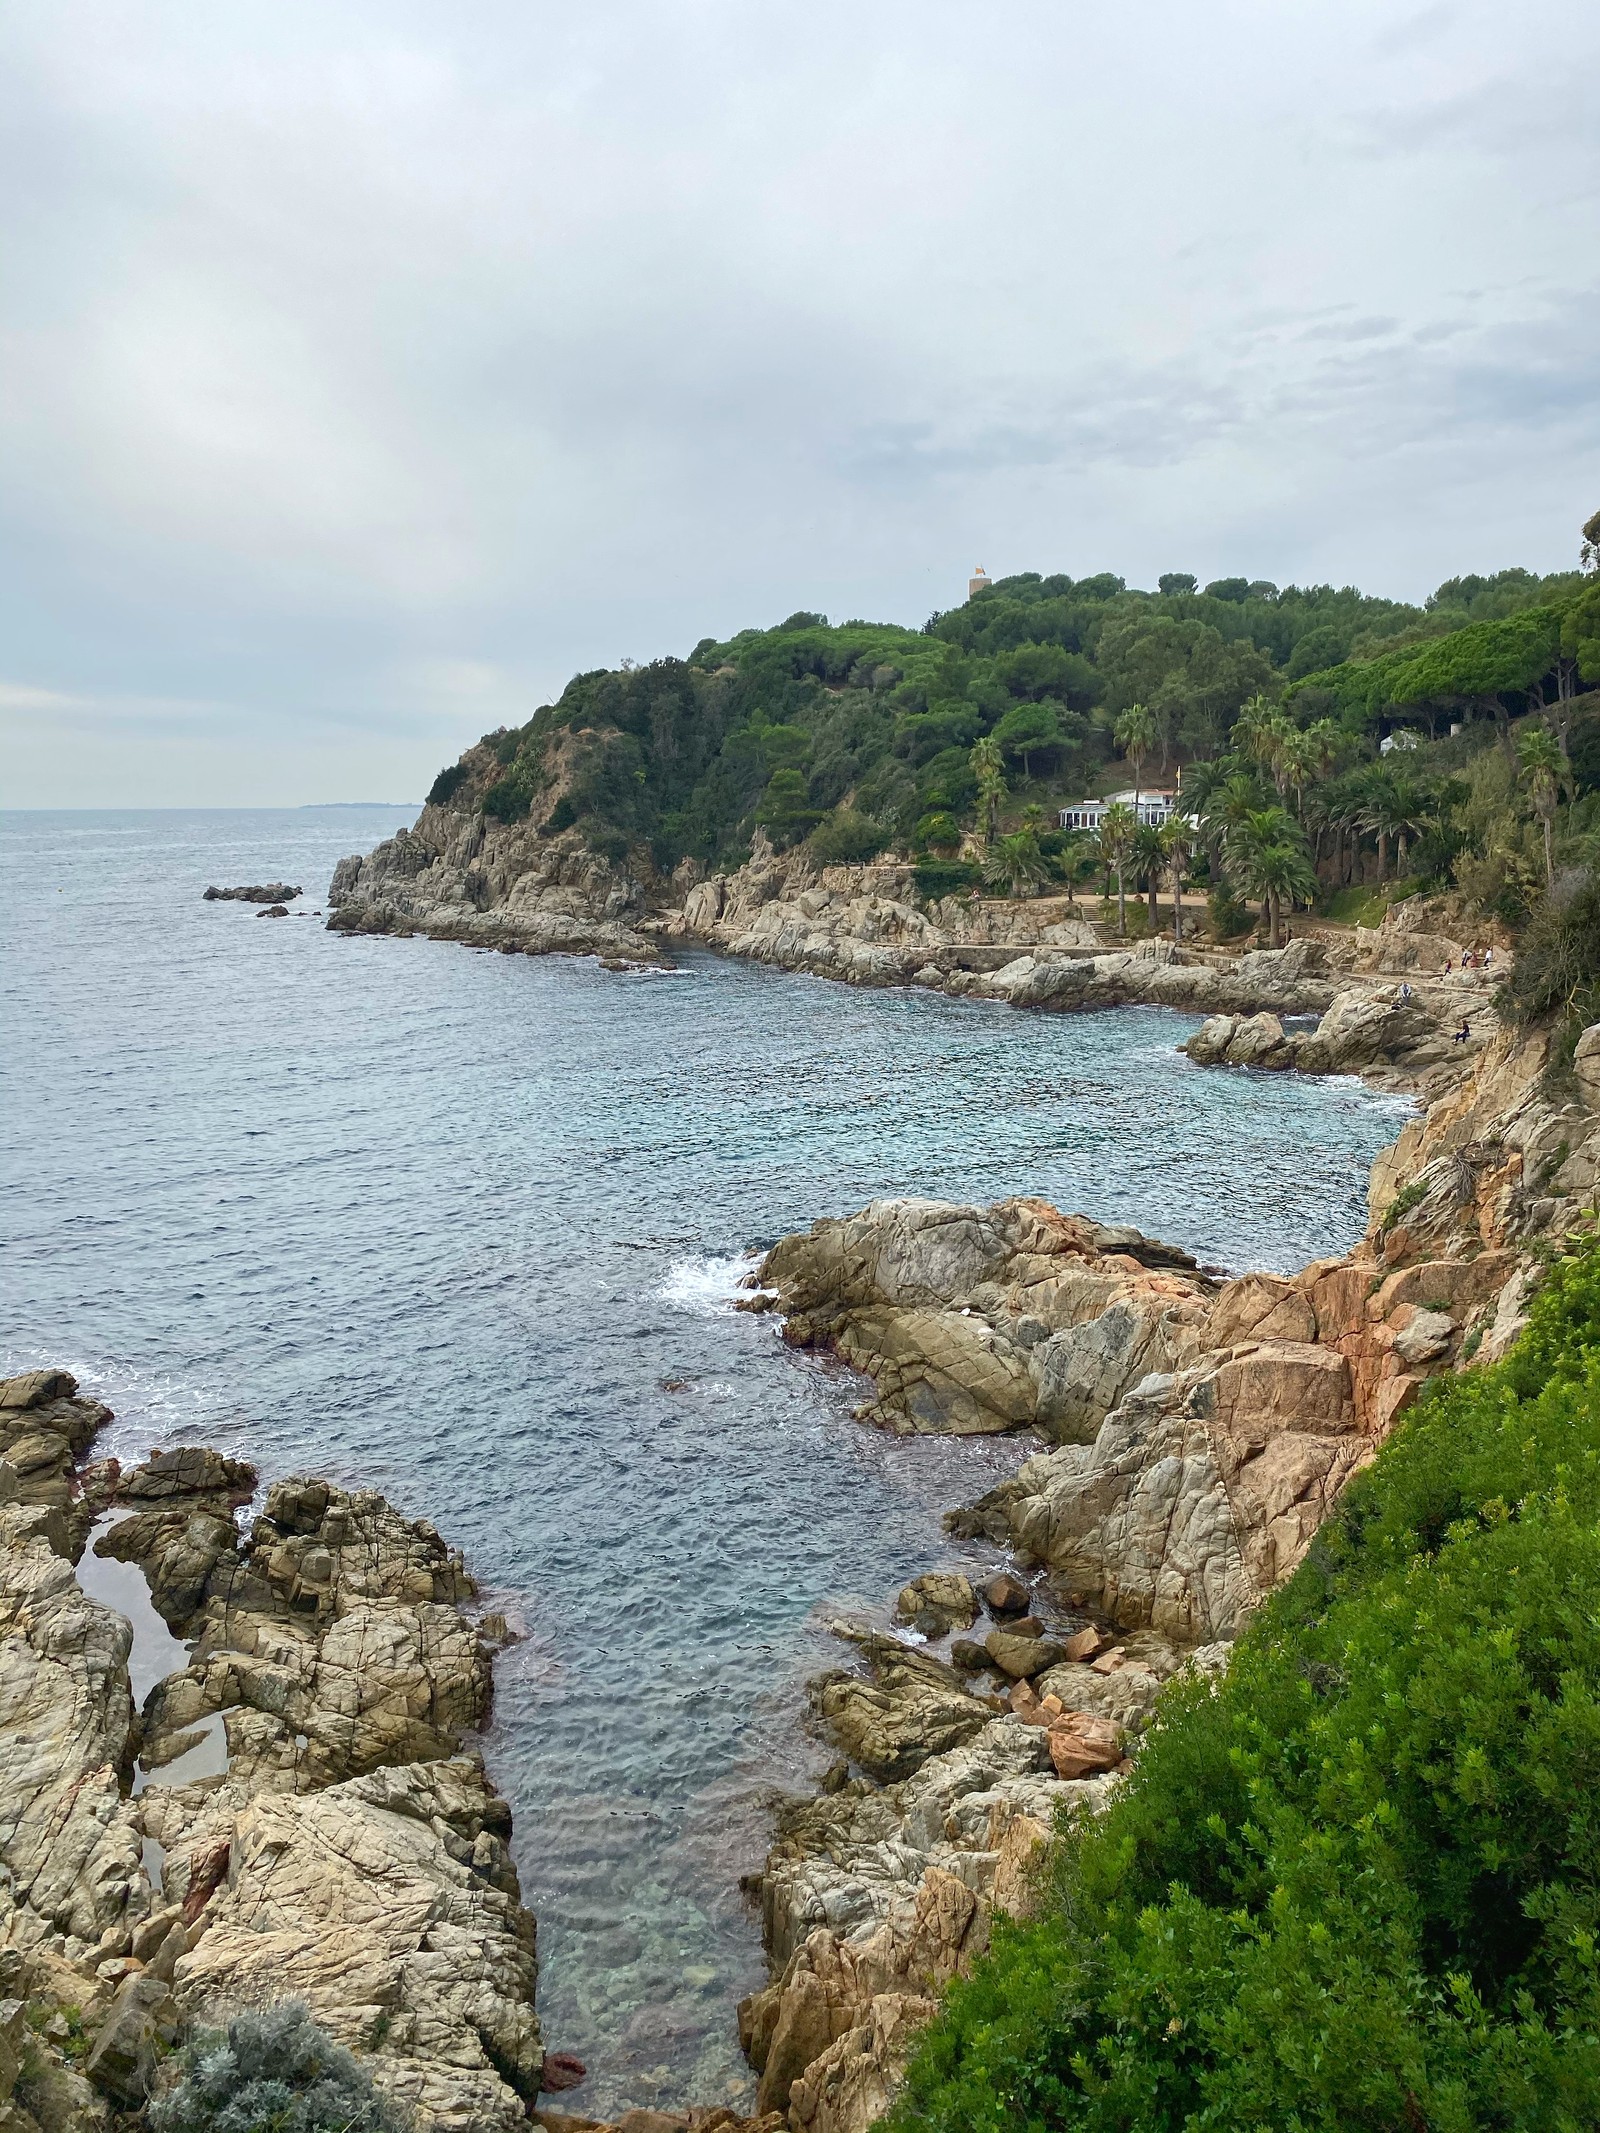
(1154, 807)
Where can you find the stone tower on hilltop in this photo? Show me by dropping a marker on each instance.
(978, 582)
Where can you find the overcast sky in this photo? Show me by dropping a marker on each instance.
(366, 369)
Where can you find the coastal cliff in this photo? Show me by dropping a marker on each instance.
(1204, 1431)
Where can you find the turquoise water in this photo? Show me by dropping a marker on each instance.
(464, 1227)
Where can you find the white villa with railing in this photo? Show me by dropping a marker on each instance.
(1154, 807)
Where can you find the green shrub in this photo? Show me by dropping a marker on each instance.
(1557, 969)
(561, 817)
(509, 797)
(447, 784)
(1356, 1885)
(273, 2072)
(939, 832)
(1226, 917)
(1405, 1199)
(847, 836)
(945, 877)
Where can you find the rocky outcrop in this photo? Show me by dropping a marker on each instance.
(876, 1895)
(1203, 1432)
(970, 1320)
(467, 877)
(273, 892)
(873, 1899)
(45, 1429)
(866, 925)
(1425, 1033)
(349, 1851)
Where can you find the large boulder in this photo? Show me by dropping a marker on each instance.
(371, 1901)
(980, 1319)
(911, 1708)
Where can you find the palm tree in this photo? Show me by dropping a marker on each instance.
(1395, 806)
(988, 768)
(1540, 757)
(1225, 807)
(1268, 857)
(1077, 850)
(1149, 863)
(1267, 733)
(1118, 826)
(1135, 734)
(1177, 843)
(1017, 862)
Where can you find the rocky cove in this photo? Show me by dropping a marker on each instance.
(1392, 1002)
(1190, 1431)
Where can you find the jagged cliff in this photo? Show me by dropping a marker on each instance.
(1209, 1427)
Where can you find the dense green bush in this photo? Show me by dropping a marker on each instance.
(847, 835)
(510, 796)
(1357, 1884)
(447, 784)
(946, 877)
(273, 2072)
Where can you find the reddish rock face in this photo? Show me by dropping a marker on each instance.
(1082, 1746)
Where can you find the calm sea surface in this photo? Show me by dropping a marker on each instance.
(464, 1227)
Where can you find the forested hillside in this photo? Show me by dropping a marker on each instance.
(955, 744)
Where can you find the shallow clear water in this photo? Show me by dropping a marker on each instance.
(464, 1227)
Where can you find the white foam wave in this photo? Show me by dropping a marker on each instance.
(709, 1286)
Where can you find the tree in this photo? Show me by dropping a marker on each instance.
(1149, 863)
(1135, 734)
(989, 771)
(1177, 843)
(1028, 730)
(1276, 873)
(1118, 827)
(1268, 735)
(1395, 806)
(1540, 757)
(1225, 805)
(1267, 856)
(1017, 862)
(785, 808)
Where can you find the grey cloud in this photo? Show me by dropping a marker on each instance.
(369, 370)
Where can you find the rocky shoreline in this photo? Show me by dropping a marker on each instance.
(298, 1810)
(1389, 1006)
(1196, 1434)
(345, 1847)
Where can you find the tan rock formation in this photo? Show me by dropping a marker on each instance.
(466, 877)
(972, 1320)
(349, 1855)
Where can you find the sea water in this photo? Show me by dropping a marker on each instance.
(467, 1228)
